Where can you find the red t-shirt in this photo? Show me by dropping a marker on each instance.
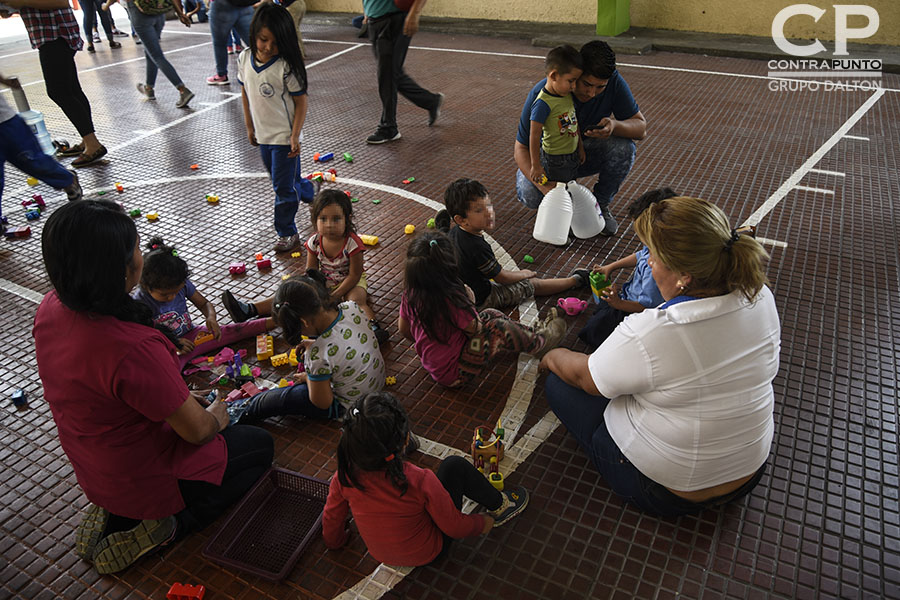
(398, 530)
(110, 386)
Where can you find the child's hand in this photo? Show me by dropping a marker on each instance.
(581, 155)
(469, 293)
(295, 148)
(527, 273)
(611, 295)
(537, 174)
(488, 524)
(251, 135)
(186, 345)
(605, 269)
(213, 327)
(299, 377)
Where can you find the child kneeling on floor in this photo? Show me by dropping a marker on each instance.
(437, 312)
(165, 289)
(341, 358)
(406, 515)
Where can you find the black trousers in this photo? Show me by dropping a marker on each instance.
(390, 46)
(61, 78)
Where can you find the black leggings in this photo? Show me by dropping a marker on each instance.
(460, 478)
(250, 452)
(61, 79)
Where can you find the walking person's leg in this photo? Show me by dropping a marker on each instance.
(382, 32)
(88, 18)
(221, 20)
(406, 85)
(287, 196)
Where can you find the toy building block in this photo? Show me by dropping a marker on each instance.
(496, 480)
(39, 200)
(286, 276)
(369, 240)
(316, 156)
(279, 359)
(296, 254)
(134, 212)
(324, 157)
(152, 216)
(348, 157)
(181, 591)
(598, 283)
(292, 357)
(430, 223)
(264, 344)
(390, 380)
(31, 215)
(203, 338)
(18, 232)
(250, 388)
(255, 372)
(354, 199)
(234, 395)
(528, 259)
(263, 264)
(195, 166)
(26, 203)
(237, 268)
(31, 181)
(376, 201)
(409, 180)
(20, 399)
(119, 187)
(101, 193)
(409, 229)
(212, 198)
(283, 382)
(333, 171)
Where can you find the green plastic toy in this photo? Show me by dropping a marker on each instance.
(430, 223)
(528, 259)
(598, 282)
(348, 157)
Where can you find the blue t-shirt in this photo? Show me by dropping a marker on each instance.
(616, 99)
(642, 287)
(173, 315)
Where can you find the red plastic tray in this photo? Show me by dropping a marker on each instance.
(272, 525)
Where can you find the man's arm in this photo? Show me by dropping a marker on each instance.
(634, 128)
(411, 24)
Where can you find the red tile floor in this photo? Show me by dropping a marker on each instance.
(823, 523)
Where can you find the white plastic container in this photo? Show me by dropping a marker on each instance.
(587, 221)
(554, 217)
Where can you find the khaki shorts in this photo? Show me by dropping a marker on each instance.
(361, 283)
(505, 296)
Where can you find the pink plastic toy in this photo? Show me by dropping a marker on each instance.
(572, 306)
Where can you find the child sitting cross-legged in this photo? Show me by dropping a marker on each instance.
(437, 312)
(638, 293)
(469, 207)
(165, 289)
(406, 515)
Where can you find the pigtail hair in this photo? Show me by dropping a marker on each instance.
(373, 437)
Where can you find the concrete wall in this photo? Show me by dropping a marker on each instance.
(748, 17)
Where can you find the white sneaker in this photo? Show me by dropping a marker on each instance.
(285, 244)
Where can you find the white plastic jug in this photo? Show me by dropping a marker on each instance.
(586, 218)
(554, 217)
(35, 121)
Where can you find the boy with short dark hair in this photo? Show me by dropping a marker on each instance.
(554, 143)
(469, 207)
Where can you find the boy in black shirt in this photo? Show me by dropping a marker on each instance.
(469, 206)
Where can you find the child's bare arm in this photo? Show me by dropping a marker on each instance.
(320, 393)
(629, 261)
(248, 118)
(404, 329)
(209, 313)
(505, 277)
(534, 150)
(300, 104)
(356, 269)
(312, 262)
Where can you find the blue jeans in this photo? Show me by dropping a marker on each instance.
(582, 414)
(290, 400)
(90, 10)
(610, 159)
(190, 5)
(149, 29)
(223, 16)
(289, 185)
(20, 147)
(560, 167)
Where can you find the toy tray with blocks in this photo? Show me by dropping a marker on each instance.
(270, 528)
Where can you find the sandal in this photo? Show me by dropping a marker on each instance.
(66, 150)
(88, 159)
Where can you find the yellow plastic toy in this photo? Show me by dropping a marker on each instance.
(31, 181)
(409, 229)
(264, 347)
(152, 216)
(369, 240)
(296, 255)
(292, 357)
(203, 338)
(390, 380)
(279, 359)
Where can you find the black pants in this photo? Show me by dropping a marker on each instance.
(61, 78)
(250, 452)
(603, 322)
(460, 478)
(390, 46)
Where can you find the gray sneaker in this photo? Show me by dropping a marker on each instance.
(90, 530)
(553, 330)
(611, 225)
(146, 90)
(285, 244)
(119, 550)
(184, 98)
(514, 502)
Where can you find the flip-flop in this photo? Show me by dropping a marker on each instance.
(67, 150)
(88, 159)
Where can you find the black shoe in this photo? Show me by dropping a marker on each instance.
(239, 311)
(435, 111)
(442, 220)
(381, 335)
(583, 276)
(611, 226)
(380, 138)
(363, 30)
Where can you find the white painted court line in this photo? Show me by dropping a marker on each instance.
(824, 172)
(856, 137)
(768, 242)
(20, 291)
(815, 190)
(795, 177)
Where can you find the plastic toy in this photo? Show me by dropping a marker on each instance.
(369, 240)
(390, 380)
(279, 359)
(17, 232)
(598, 282)
(292, 357)
(284, 383)
(348, 157)
(181, 591)
(203, 338)
(296, 255)
(212, 198)
(528, 259)
(487, 453)
(430, 223)
(323, 157)
(258, 256)
(572, 306)
(119, 187)
(286, 276)
(409, 180)
(31, 181)
(409, 229)
(349, 195)
(26, 203)
(264, 345)
(250, 388)
(376, 201)
(20, 399)
(333, 171)
(135, 212)
(31, 215)
(245, 371)
(152, 216)
(255, 371)
(263, 264)
(544, 180)
(39, 200)
(354, 199)
(101, 193)
(194, 167)
(237, 268)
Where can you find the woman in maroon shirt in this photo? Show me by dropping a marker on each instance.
(154, 462)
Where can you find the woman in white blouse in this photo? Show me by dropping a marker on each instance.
(675, 408)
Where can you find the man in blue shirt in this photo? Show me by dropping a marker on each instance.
(609, 120)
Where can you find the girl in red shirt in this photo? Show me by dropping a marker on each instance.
(406, 515)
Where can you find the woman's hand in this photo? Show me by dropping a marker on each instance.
(185, 345)
(220, 412)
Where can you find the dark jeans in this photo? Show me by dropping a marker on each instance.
(90, 9)
(390, 46)
(289, 184)
(460, 478)
(582, 414)
(560, 167)
(61, 79)
(290, 400)
(602, 323)
(190, 5)
(250, 452)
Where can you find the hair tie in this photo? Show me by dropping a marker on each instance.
(154, 246)
(354, 412)
(734, 237)
(389, 457)
(432, 243)
(174, 252)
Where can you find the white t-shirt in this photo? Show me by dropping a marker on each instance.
(270, 88)
(691, 388)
